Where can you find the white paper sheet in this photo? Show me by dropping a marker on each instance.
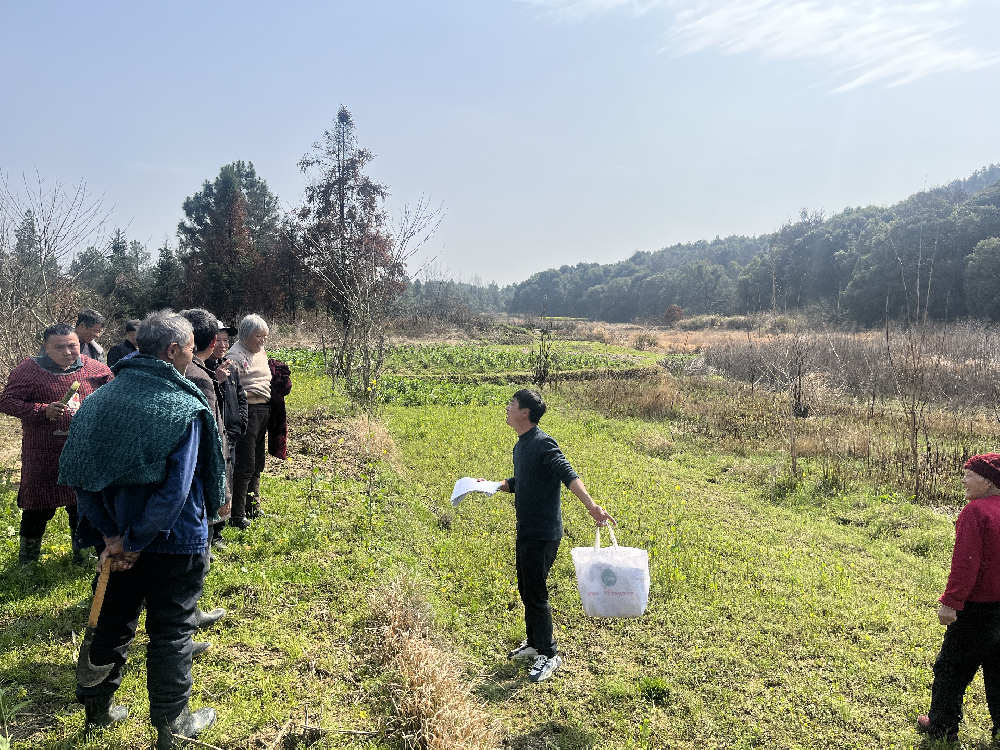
(465, 485)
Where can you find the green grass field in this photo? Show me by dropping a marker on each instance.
(795, 619)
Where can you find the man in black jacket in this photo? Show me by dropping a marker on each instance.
(127, 346)
(539, 468)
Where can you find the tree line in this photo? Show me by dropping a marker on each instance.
(338, 253)
(935, 254)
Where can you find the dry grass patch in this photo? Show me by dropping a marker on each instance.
(346, 445)
(432, 697)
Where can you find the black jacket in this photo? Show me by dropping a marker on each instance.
(120, 350)
(234, 412)
(539, 468)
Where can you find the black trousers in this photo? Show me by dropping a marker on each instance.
(534, 560)
(171, 586)
(33, 522)
(251, 451)
(972, 641)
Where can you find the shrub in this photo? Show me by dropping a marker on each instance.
(644, 341)
(673, 315)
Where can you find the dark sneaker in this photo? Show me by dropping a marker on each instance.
(543, 667)
(240, 523)
(523, 651)
(219, 545)
(253, 508)
(924, 727)
(200, 647)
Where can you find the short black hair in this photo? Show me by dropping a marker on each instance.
(132, 325)
(530, 399)
(59, 329)
(90, 318)
(205, 325)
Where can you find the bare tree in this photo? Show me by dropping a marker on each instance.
(348, 239)
(40, 229)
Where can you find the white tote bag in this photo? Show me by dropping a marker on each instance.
(613, 581)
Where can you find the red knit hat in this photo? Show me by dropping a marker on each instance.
(987, 466)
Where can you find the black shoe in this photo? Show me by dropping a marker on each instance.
(219, 545)
(206, 619)
(100, 712)
(200, 647)
(188, 725)
(240, 523)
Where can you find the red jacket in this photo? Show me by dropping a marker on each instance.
(29, 389)
(975, 563)
(277, 424)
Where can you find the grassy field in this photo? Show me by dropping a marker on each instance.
(782, 614)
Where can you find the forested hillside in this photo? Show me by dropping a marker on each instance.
(940, 247)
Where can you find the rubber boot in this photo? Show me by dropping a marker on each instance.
(205, 619)
(188, 725)
(31, 550)
(101, 713)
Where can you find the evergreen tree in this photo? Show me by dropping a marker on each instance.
(227, 241)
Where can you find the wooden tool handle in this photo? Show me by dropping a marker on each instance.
(102, 586)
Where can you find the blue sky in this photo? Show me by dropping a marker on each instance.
(553, 132)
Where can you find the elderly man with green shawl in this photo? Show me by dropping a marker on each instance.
(145, 460)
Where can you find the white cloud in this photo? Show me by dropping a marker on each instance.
(874, 40)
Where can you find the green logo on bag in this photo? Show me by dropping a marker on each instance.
(609, 578)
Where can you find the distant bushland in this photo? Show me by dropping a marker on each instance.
(862, 263)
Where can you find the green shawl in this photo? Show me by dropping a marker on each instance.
(125, 431)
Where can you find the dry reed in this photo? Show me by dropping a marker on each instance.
(433, 699)
(850, 441)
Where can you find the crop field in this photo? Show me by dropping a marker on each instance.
(786, 611)
(475, 358)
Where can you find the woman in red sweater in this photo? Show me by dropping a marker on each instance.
(33, 394)
(970, 605)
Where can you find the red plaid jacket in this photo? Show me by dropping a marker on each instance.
(29, 390)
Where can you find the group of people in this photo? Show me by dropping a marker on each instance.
(151, 459)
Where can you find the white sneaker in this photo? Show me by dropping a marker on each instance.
(523, 651)
(543, 667)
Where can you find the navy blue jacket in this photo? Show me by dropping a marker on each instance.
(168, 517)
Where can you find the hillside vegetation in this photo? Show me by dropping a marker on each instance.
(937, 250)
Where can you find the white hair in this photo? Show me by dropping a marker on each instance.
(249, 325)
